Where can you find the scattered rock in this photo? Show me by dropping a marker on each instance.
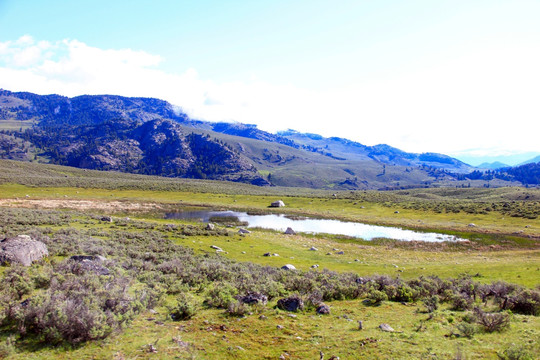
(340, 252)
(278, 203)
(87, 257)
(82, 264)
(210, 226)
(263, 317)
(243, 231)
(357, 260)
(22, 249)
(279, 327)
(292, 315)
(107, 219)
(288, 267)
(471, 225)
(151, 348)
(254, 298)
(386, 327)
(292, 303)
(313, 248)
(274, 254)
(290, 231)
(315, 266)
(323, 309)
(216, 248)
(396, 212)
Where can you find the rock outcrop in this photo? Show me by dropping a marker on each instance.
(22, 249)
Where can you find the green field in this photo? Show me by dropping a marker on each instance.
(154, 262)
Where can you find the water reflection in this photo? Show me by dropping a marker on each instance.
(316, 226)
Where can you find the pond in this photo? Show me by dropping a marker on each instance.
(281, 222)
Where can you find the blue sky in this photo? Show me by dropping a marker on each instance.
(457, 77)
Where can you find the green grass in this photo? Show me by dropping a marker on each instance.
(16, 124)
(502, 248)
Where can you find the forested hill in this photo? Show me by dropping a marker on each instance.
(151, 136)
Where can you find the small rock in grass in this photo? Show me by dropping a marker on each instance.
(386, 327)
(323, 309)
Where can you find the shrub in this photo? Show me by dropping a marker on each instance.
(431, 303)
(491, 322)
(515, 352)
(238, 308)
(78, 309)
(376, 297)
(404, 294)
(527, 302)
(7, 347)
(185, 308)
(461, 302)
(220, 295)
(466, 330)
(18, 281)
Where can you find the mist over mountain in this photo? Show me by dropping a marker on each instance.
(151, 136)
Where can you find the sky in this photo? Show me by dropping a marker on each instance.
(455, 77)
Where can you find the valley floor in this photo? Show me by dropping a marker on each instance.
(504, 245)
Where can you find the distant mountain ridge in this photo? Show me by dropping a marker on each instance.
(531, 161)
(151, 136)
(385, 154)
(493, 166)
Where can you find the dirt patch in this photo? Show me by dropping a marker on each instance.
(109, 206)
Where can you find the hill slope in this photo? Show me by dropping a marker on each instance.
(151, 136)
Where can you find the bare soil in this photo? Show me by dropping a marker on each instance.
(108, 206)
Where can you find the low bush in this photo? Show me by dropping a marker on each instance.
(238, 308)
(492, 322)
(185, 307)
(220, 295)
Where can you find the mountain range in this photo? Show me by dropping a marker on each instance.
(151, 136)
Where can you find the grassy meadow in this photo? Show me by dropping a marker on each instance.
(468, 300)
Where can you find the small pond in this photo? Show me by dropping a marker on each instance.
(281, 222)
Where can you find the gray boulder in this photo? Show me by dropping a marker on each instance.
(22, 249)
(288, 267)
(290, 231)
(254, 298)
(323, 309)
(82, 264)
(278, 203)
(292, 303)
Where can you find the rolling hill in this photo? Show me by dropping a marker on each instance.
(151, 136)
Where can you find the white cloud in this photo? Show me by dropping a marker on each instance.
(483, 100)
